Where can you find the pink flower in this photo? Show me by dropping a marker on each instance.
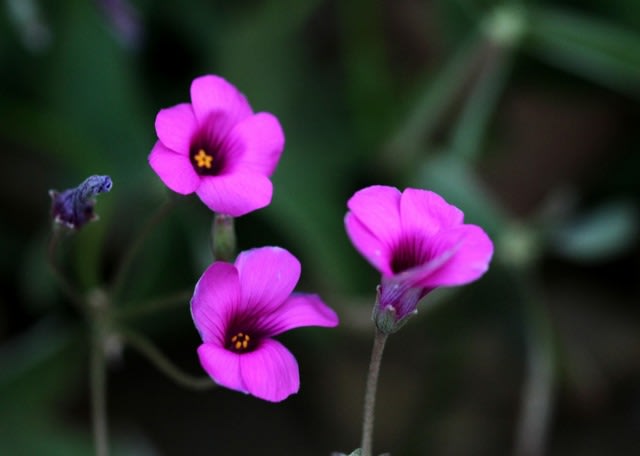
(418, 242)
(217, 147)
(238, 308)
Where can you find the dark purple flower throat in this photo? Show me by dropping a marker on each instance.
(409, 253)
(209, 147)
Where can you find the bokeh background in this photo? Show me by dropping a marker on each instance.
(524, 114)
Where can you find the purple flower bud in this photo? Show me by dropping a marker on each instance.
(395, 304)
(74, 207)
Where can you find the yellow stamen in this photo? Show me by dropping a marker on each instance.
(240, 341)
(203, 160)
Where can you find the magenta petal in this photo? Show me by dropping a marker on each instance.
(470, 260)
(268, 275)
(425, 212)
(212, 93)
(270, 372)
(215, 300)
(263, 141)
(174, 170)
(235, 194)
(369, 246)
(378, 209)
(302, 310)
(222, 366)
(175, 127)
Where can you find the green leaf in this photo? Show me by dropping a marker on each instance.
(595, 49)
(368, 78)
(471, 127)
(433, 99)
(356, 452)
(598, 235)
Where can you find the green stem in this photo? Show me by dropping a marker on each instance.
(98, 307)
(65, 285)
(146, 348)
(131, 252)
(370, 392)
(538, 389)
(131, 312)
(98, 395)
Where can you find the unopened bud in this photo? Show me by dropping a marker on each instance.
(74, 207)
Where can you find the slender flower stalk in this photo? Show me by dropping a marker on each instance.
(418, 242)
(98, 309)
(140, 309)
(146, 348)
(379, 342)
(537, 395)
(63, 282)
(98, 380)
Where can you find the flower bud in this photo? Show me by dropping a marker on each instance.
(74, 207)
(395, 304)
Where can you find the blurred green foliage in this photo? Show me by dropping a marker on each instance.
(524, 114)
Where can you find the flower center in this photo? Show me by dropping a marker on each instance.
(409, 253)
(204, 162)
(202, 159)
(240, 342)
(210, 146)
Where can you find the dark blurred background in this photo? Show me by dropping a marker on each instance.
(524, 114)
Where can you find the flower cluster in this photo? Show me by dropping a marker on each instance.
(218, 148)
(418, 242)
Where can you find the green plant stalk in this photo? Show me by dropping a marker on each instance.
(370, 392)
(98, 380)
(146, 348)
(65, 285)
(537, 392)
(132, 312)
